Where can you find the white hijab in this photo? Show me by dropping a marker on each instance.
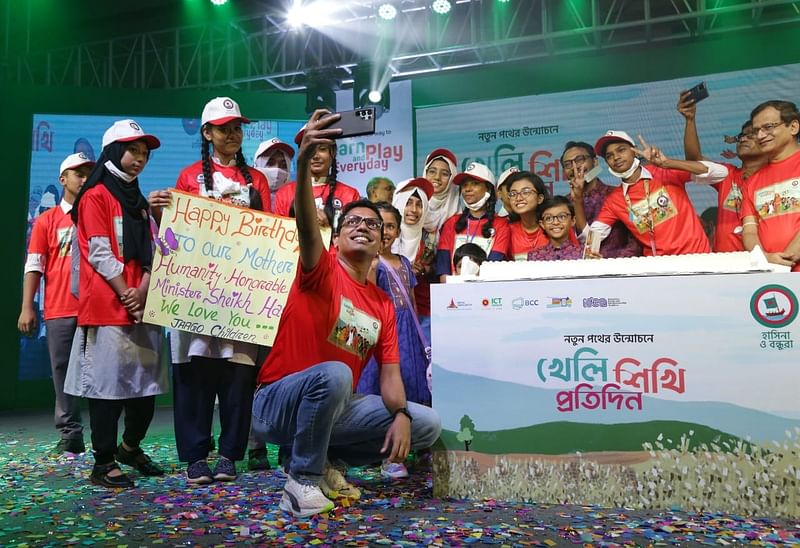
(407, 244)
(441, 208)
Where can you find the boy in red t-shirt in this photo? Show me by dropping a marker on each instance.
(334, 321)
(49, 255)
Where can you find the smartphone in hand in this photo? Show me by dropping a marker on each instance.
(698, 92)
(353, 123)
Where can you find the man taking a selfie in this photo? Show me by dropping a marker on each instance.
(334, 321)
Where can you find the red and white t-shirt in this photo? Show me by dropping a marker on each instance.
(342, 195)
(773, 197)
(496, 246)
(51, 240)
(729, 207)
(329, 316)
(100, 215)
(676, 227)
(192, 180)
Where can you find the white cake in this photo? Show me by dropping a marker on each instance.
(700, 263)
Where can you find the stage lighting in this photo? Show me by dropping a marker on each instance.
(219, 2)
(374, 96)
(296, 14)
(367, 92)
(387, 11)
(441, 6)
(321, 91)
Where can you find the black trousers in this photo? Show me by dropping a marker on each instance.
(104, 418)
(196, 385)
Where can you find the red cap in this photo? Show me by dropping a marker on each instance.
(420, 182)
(441, 153)
(611, 136)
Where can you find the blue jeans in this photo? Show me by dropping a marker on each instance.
(316, 413)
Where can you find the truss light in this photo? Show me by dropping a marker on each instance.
(374, 96)
(387, 11)
(219, 2)
(441, 6)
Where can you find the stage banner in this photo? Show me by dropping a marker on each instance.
(221, 270)
(530, 132)
(653, 392)
(389, 152)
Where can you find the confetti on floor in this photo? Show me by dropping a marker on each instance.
(46, 500)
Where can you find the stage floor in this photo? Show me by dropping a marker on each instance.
(48, 501)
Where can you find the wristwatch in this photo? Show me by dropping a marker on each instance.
(404, 411)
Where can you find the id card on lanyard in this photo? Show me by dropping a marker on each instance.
(647, 218)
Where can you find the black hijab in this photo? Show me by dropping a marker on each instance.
(137, 244)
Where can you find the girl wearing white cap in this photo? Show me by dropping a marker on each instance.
(478, 222)
(208, 368)
(273, 158)
(115, 361)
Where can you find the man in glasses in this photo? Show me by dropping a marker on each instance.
(577, 160)
(335, 320)
(728, 229)
(771, 208)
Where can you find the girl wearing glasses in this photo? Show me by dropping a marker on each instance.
(557, 219)
(525, 192)
(477, 224)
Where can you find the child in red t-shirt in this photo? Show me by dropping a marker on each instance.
(115, 359)
(49, 255)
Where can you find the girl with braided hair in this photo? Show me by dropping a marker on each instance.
(477, 223)
(330, 195)
(207, 368)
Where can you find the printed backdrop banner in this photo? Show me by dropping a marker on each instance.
(387, 153)
(643, 392)
(530, 132)
(55, 136)
(221, 270)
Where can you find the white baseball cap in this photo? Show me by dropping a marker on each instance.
(125, 131)
(221, 110)
(74, 160)
(505, 175)
(611, 136)
(273, 143)
(475, 171)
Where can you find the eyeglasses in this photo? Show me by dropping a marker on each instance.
(575, 161)
(745, 135)
(353, 221)
(561, 218)
(767, 128)
(524, 193)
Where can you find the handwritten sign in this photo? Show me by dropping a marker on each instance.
(221, 270)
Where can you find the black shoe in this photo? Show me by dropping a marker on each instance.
(74, 445)
(257, 459)
(139, 460)
(99, 476)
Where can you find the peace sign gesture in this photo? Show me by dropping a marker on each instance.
(650, 153)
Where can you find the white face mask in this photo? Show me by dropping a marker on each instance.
(629, 172)
(276, 177)
(479, 204)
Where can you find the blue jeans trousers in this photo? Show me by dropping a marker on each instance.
(316, 413)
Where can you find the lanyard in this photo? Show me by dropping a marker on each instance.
(470, 234)
(648, 218)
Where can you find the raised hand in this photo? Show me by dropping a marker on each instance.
(650, 153)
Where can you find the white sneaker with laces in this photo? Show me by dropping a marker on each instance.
(394, 470)
(334, 485)
(304, 500)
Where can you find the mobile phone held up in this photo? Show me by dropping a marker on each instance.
(698, 92)
(353, 123)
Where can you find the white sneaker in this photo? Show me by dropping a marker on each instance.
(334, 485)
(304, 500)
(394, 470)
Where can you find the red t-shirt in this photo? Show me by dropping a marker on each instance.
(51, 238)
(677, 228)
(192, 180)
(496, 246)
(772, 195)
(729, 206)
(329, 316)
(100, 214)
(342, 195)
(523, 242)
